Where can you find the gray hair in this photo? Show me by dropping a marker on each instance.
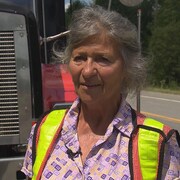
(90, 21)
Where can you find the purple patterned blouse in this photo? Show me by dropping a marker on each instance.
(108, 159)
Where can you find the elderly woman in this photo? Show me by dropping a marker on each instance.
(101, 136)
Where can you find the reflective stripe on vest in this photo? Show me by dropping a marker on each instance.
(52, 123)
(148, 142)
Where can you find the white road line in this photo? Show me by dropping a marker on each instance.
(163, 99)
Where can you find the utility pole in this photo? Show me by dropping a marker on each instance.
(109, 5)
(138, 102)
(132, 3)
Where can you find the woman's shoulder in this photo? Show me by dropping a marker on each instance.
(169, 134)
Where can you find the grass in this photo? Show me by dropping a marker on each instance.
(163, 90)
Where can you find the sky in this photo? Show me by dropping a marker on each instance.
(67, 2)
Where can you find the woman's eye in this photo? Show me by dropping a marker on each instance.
(79, 58)
(102, 60)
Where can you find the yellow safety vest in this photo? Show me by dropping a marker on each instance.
(145, 145)
(50, 127)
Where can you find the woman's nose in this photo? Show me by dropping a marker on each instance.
(89, 68)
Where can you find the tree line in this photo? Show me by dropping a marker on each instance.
(160, 36)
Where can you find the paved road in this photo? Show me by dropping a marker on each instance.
(161, 106)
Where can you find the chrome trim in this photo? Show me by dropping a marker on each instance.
(11, 159)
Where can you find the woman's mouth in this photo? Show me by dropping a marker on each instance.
(90, 85)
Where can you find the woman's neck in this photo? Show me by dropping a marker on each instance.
(97, 117)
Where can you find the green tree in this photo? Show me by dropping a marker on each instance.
(164, 47)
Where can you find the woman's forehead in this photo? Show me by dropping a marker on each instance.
(102, 38)
(98, 45)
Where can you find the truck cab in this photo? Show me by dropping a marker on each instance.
(32, 80)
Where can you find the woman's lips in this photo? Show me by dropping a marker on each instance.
(90, 85)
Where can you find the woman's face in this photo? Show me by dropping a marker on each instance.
(97, 70)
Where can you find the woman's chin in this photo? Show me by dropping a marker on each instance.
(90, 99)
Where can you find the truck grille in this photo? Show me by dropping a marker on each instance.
(9, 115)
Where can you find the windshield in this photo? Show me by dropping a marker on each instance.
(27, 4)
